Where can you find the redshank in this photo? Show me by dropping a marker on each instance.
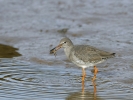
(83, 55)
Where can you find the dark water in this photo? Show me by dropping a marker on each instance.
(31, 28)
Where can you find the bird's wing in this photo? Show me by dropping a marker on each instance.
(89, 54)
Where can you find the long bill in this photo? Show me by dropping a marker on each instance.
(55, 49)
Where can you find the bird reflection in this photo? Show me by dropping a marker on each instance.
(94, 89)
(93, 83)
(84, 95)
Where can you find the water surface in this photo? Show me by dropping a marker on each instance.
(34, 27)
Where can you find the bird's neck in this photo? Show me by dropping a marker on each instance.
(67, 51)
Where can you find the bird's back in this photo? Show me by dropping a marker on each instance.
(83, 54)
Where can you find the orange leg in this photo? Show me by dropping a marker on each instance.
(95, 73)
(95, 88)
(83, 78)
(83, 74)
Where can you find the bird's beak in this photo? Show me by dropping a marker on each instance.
(58, 47)
(55, 49)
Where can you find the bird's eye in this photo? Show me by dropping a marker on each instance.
(64, 42)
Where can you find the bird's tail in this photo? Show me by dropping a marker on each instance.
(113, 54)
(109, 56)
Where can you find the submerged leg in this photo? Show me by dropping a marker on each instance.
(83, 78)
(95, 73)
(83, 74)
(95, 89)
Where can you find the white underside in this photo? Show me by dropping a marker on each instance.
(83, 65)
(86, 65)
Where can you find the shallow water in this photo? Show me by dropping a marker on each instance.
(25, 80)
(35, 27)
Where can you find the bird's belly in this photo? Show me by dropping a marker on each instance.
(82, 64)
